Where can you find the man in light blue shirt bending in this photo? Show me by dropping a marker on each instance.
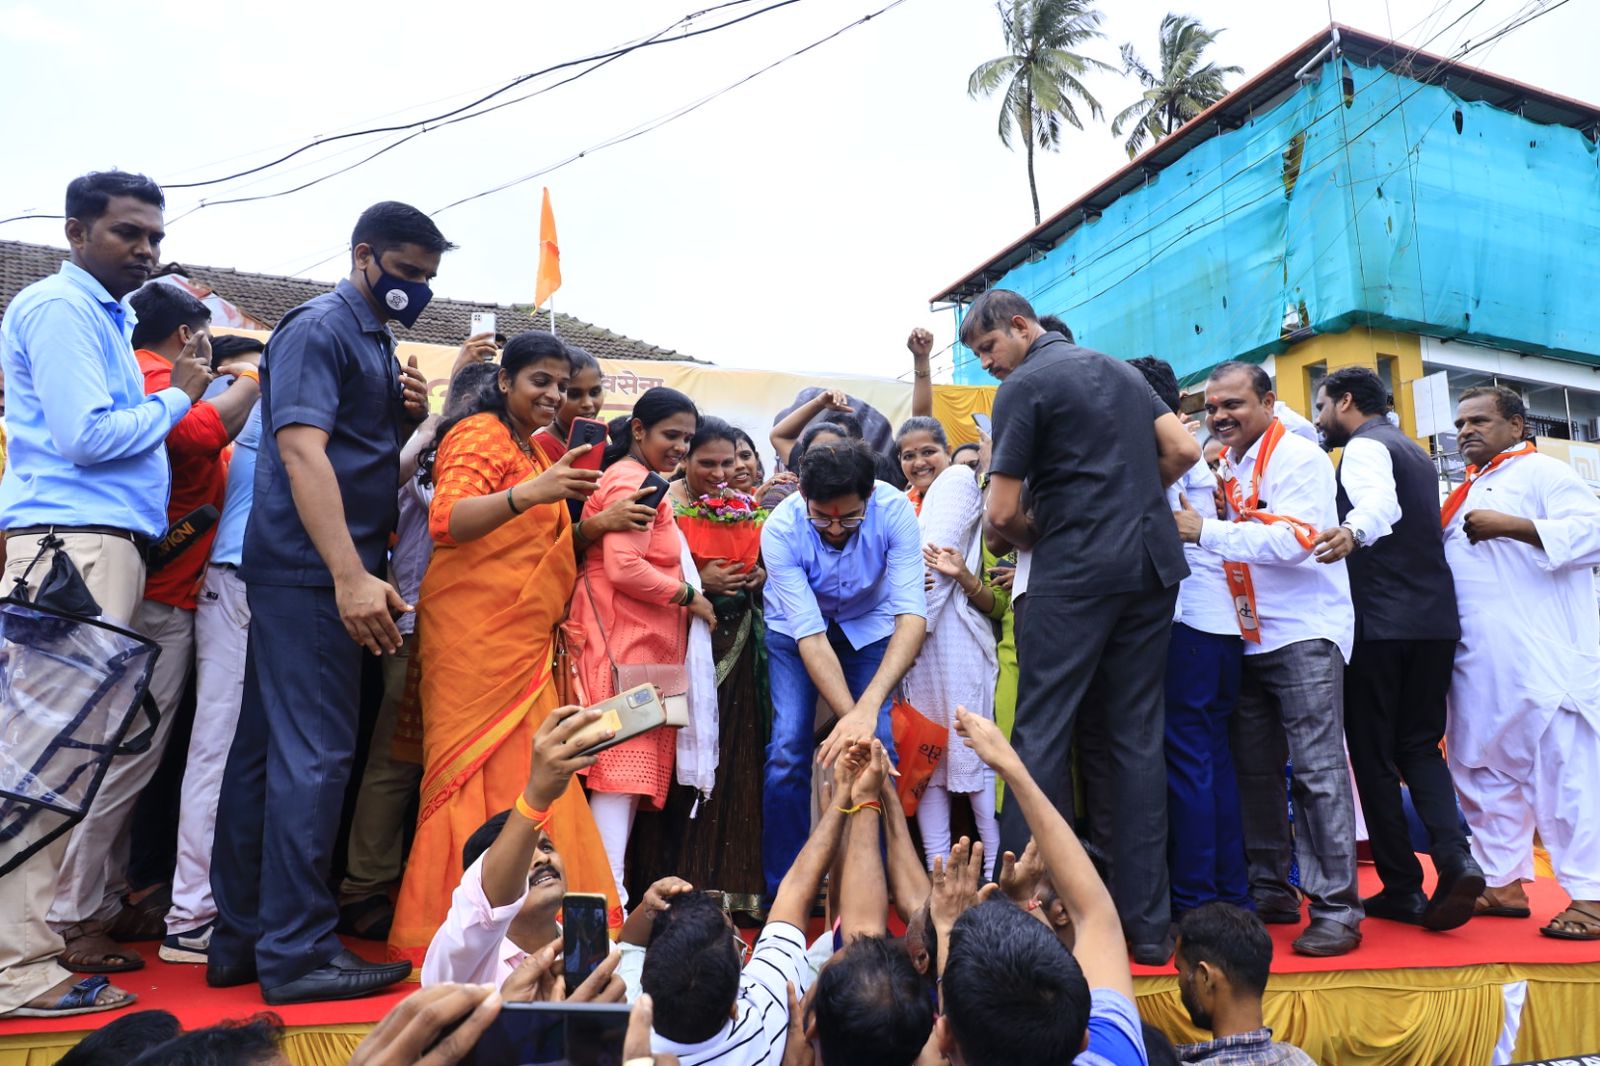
(846, 614)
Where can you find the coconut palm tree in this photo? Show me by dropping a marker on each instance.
(1184, 87)
(1041, 73)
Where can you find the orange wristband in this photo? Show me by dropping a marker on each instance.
(868, 805)
(249, 372)
(538, 818)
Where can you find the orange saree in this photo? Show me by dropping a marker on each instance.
(486, 624)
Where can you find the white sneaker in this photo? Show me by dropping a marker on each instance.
(193, 946)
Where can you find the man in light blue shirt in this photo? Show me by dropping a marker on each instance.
(87, 464)
(846, 614)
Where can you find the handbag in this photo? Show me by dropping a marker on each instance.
(670, 679)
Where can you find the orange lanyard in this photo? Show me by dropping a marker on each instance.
(1458, 495)
(1248, 510)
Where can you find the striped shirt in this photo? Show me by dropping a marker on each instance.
(757, 1034)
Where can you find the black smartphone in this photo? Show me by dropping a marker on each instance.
(658, 486)
(553, 1034)
(585, 941)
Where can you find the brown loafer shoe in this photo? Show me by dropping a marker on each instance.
(1325, 937)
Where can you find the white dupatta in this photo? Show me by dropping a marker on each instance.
(697, 742)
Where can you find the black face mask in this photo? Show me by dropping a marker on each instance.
(404, 299)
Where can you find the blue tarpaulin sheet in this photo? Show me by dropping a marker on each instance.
(1363, 198)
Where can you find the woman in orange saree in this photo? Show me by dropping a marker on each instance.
(496, 590)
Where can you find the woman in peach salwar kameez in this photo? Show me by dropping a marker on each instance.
(496, 591)
(632, 595)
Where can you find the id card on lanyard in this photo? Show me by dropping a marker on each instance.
(1241, 590)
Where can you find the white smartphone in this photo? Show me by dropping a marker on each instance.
(482, 322)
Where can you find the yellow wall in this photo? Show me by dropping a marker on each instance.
(1355, 347)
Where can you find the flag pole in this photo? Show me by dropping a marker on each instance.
(553, 315)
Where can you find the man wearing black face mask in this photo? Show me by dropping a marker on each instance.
(335, 406)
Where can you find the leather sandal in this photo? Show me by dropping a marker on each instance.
(1584, 927)
(89, 950)
(84, 997)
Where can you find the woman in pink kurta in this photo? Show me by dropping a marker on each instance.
(634, 582)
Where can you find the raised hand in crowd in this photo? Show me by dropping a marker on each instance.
(478, 348)
(556, 757)
(636, 930)
(787, 432)
(956, 884)
(636, 1043)
(1019, 878)
(434, 1027)
(414, 390)
(921, 344)
(191, 370)
(863, 894)
(797, 1049)
(541, 978)
(1099, 947)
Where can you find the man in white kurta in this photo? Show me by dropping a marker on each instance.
(1521, 537)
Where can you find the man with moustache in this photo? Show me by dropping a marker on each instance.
(1521, 535)
(87, 464)
(1097, 448)
(1406, 632)
(1298, 626)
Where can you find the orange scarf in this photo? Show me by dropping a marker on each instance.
(1240, 587)
(1247, 509)
(1458, 495)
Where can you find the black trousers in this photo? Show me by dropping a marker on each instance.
(1394, 717)
(1104, 658)
(284, 787)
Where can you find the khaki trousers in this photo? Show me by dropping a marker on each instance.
(114, 572)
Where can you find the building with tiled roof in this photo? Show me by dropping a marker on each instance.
(262, 299)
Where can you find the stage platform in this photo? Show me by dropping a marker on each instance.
(1494, 991)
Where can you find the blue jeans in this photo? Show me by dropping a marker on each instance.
(1205, 840)
(786, 800)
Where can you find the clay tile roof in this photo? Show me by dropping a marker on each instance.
(268, 297)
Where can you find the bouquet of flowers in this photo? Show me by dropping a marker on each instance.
(723, 525)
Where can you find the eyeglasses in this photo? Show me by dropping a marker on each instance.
(850, 522)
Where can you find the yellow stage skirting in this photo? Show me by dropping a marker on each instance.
(1413, 1017)
(1400, 1017)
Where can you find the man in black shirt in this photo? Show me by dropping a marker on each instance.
(1098, 449)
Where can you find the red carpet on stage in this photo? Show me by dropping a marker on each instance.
(182, 989)
(1396, 946)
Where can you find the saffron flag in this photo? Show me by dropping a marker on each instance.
(549, 255)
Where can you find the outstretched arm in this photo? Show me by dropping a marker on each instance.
(792, 904)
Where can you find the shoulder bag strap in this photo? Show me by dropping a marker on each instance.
(604, 640)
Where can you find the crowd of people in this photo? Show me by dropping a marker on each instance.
(908, 680)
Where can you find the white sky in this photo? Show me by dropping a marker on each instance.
(800, 222)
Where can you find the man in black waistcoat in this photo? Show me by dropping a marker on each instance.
(1406, 633)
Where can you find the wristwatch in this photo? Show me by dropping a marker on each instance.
(1359, 537)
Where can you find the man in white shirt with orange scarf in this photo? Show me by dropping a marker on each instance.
(1298, 625)
(1521, 535)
